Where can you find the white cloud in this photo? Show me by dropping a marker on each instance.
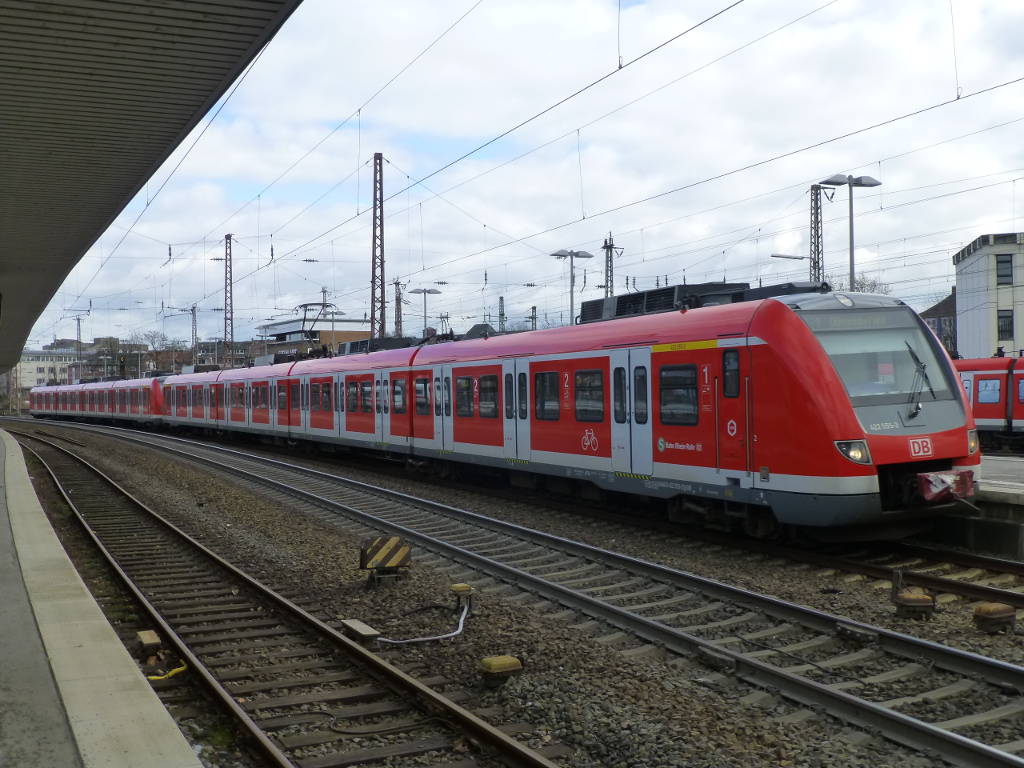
(850, 65)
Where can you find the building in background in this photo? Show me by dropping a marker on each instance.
(990, 296)
(300, 338)
(45, 366)
(941, 318)
(35, 368)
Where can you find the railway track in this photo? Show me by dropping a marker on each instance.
(308, 696)
(944, 573)
(902, 687)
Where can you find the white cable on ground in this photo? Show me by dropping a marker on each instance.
(458, 631)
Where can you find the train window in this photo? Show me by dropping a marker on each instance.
(989, 390)
(619, 395)
(366, 396)
(339, 397)
(325, 396)
(489, 397)
(145, 398)
(296, 401)
(447, 395)
(437, 395)
(282, 398)
(1020, 390)
(353, 396)
(398, 395)
(545, 396)
(377, 396)
(731, 373)
(422, 397)
(678, 394)
(640, 394)
(464, 395)
(589, 387)
(510, 404)
(314, 397)
(383, 385)
(523, 407)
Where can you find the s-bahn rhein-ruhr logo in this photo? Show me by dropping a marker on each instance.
(661, 444)
(920, 446)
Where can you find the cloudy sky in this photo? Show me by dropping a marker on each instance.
(696, 155)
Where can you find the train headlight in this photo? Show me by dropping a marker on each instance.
(855, 450)
(972, 441)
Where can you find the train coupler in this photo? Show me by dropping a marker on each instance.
(948, 485)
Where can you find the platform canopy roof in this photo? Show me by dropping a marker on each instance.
(94, 96)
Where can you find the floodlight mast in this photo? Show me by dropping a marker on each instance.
(570, 255)
(851, 181)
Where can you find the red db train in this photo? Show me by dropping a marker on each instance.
(995, 389)
(812, 409)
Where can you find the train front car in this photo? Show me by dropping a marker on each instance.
(870, 423)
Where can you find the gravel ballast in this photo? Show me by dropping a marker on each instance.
(612, 710)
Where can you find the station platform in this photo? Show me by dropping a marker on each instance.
(1002, 480)
(70, 694)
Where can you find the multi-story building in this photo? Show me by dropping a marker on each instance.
(39, 367)
(301, 337)
(990, 296)
(212, 353)
(941, 318)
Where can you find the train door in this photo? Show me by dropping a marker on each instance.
(447, 423)
(508, 411)
(731, 421)
(437, 379)
(382, 406)
(321, 409)
(295, 403)
(522, 427)
(339, 404)
(618, 363)
(289, 403)
(217, 402)
(638, 400)
(1017, 401)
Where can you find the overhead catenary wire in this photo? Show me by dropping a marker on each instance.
(357, 113)
(746, 167)
(703, 66)
(1009, 82)
(550, 108)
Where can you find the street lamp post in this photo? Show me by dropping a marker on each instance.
(851, 181)
(570, 255)
(425, 291)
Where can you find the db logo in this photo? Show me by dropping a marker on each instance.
(921, 446)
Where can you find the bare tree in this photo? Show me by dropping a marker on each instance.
(861, 284)
(156, 339)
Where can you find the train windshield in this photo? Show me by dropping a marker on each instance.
(882, 355)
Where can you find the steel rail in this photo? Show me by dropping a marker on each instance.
(898, 727)
(510, 750)
(934, 583)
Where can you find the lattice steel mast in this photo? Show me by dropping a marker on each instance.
(229, 312)
(398, 309)
(378, 325)
(817, 259)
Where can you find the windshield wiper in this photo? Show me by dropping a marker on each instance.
(920, 381)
